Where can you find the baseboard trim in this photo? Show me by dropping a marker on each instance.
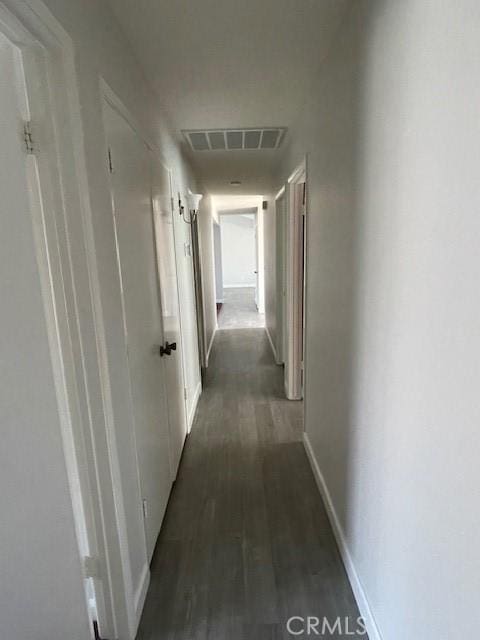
(274, 351)
(239, 286)
(193, 408)
(358, 590)
(141, 594)
(211, 345)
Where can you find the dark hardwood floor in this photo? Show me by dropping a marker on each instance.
(246, 542)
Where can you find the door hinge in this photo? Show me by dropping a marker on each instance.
(145, 508)
(110, 163)
(28, 138)
(185, 394)
(91, 567)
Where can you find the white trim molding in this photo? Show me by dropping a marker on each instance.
(193, 408)
(295, 280)
(274, 351)
(357, 587)
(239, 286)
(141, 593)
(211, 344)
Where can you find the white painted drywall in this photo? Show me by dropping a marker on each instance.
(102, 50)
(239, 261)
(393, 313)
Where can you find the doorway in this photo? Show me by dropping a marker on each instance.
(237, 269)
(295, 281)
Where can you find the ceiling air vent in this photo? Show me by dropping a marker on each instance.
(235, 139)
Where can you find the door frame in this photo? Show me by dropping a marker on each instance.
(62, 172)
(280, 273)
(199, 299)
(296, 213)
(217, 262)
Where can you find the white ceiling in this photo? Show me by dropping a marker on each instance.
(230, 63)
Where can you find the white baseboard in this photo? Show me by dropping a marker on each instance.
(141, 594)
(358, 590)
(239, 286)
(193, 407)
(274, 351)
(211, 344)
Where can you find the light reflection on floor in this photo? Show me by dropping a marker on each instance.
(239, 310)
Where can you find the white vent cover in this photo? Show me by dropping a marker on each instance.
(235, 139)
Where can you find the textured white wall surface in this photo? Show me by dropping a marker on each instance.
(393, 309)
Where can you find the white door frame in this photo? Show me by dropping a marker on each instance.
(280, 282)
(295, 284)
(62, 172)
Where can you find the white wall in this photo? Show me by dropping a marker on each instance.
(393, 311)
(101, 49)
(239, 261)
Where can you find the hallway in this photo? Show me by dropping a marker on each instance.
(246, 542)
(239, 310)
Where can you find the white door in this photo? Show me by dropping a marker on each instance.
(165, 242)
(132, 209)
(41, 586)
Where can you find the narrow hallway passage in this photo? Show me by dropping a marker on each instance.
(239, 310)
(246, 542)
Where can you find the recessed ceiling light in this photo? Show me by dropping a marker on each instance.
(235, 183)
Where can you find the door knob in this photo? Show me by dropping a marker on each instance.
(168, 348)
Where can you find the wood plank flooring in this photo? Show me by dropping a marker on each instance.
(239, 310)
(246, 542)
